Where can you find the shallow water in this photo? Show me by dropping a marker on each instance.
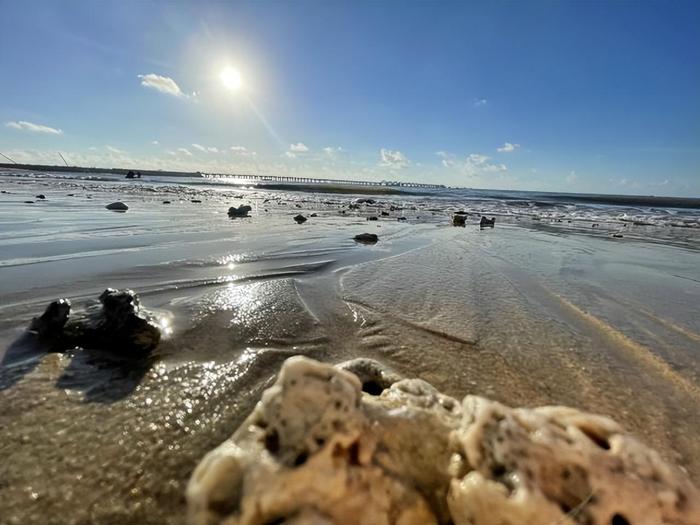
(531, 312)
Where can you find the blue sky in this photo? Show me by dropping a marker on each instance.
(560, 96)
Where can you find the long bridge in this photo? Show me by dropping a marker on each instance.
(316, 180)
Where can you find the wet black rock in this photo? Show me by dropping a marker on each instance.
(196, 201)
(119, 325)
(166, 202)
(28, 202)
(617, 235)
(372, 218)
(41, 196)
(241, 211)
(50, 324)
(314, 215)
(385, 213)
(300, 219)
(117, 206)
(459, 220)
(401, 219)
(366, 238)
(487, 223)
(461, 212)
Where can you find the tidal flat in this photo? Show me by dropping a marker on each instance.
(535, 311)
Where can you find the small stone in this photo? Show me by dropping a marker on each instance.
(313, 215)
(117, 206)
(487, 223)
(241, 211)
(41, 196)
(166, 202)
(366, 238)
(300, 219)
(196, 201)
(459, 220)
(373, 218)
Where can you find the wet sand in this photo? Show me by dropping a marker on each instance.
(526, 313)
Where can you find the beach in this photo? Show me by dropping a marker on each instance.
(577, 302)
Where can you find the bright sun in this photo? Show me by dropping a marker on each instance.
(231, 78)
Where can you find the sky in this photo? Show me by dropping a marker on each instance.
(579, 96)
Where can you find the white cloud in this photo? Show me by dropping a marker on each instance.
(508, 147)
(213, 149)
(290, 155)
(242, 151)
(114, 150)
(155, 142)
(392, 159)
(476, 164)
(299, 147)
(448, 159)
(571, 177)
(185, 151)
(199, 147)
(92, 148)
(163, 84)
(23, 125)
(330, 150)
(478, 102)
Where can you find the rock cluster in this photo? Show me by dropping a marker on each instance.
(119, 324)
(354, 444)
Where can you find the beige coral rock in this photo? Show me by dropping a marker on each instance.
(318, 450)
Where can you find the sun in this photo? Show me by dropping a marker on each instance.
(231, 79)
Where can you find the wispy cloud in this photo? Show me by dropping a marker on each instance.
(448, 159)
(478, 102)
(242, 151)
(114, 150)
(163, 84)
(508, 147)
(392, 159)
(206, 149)
(299, 147)
(185, 151)
(330, 150)
(23, 125)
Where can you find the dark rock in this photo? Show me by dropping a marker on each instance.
(487, 223)
(364, 201)
(120, 325)
(166, 202)
(313, 215)
(401, 219)
(28, 202)
(41, 196)
(385, 213)
(241, 211)
(300, 219)
(353, 206)
(297, 205)
(459, 220)
(373, 218)
(617, 235)
(131, 175)
(460, 212)
(50, 324)
(70, 195)
(366, 238)
(196, 201)
(117, 206)
(395, 208)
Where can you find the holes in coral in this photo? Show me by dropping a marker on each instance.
(619, 519)
(301, 459)
(372, 387)
(599, 440)
(272, 442)
(354, 453)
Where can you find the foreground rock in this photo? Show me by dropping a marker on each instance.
(117, 206)
(300, 219)
(319, 450)
(242, 211)
(366, 238)
(119, 324)
(487, 223)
